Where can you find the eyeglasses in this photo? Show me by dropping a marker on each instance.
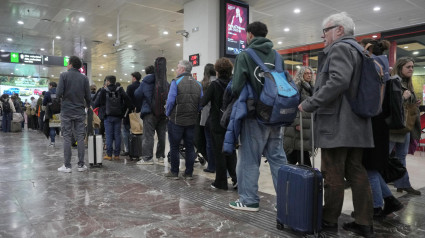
(328, 28)
(308, 73)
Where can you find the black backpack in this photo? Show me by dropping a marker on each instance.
(6, 106)
(114, 103)
(160, 93)
(55, 104)
(394, 95)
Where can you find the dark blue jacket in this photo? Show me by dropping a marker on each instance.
(130, 92)
(47, 96)
(143, 94)
(239, 112)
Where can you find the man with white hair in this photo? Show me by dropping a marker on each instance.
(182, 108)
(339, 132)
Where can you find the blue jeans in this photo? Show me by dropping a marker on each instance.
(379, 188)
(257, 140)
(52, 134)
(113, 133)
(401, 150)
(6, 121)
(125, 132)
(175, 135)
(208, 142)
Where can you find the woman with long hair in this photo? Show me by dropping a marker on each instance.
(400, 141)
(209, 76)
(292, 136)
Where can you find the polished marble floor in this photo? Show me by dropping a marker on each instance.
(123, 199)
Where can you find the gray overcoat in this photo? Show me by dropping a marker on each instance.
(335, 124)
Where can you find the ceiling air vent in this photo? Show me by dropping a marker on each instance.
(96, 42)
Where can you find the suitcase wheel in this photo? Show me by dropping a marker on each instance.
(280, 226)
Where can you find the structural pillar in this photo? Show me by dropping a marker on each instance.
(201, 21)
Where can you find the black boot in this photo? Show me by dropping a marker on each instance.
(362, 230)
(391, 205)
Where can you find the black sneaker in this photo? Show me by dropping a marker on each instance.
(391, 204)
(329, 225)
(172, 175)
(362, 230)
(187, 176)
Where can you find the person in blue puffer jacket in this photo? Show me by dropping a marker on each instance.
(243, 107)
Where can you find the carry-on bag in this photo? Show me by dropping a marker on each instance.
(95, 143)
(135, 146)
(15, 126)
(300, 195)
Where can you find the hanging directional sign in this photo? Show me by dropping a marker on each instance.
(30, 58)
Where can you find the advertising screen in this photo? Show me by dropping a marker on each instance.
(236, 23)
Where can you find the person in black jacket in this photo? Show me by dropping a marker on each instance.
(223, 163)
(135, 78)
(116, 102)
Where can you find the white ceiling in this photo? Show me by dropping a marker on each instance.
(142, 23)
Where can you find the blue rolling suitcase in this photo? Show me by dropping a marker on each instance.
(299, 196)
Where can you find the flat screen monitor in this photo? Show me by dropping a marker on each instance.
(233, 23)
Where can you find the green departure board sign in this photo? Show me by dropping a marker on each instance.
(65, 61)
(14, 57)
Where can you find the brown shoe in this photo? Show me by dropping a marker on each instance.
(107, 157)
(116, 157)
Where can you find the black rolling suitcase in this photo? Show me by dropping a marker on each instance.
(135, 146)
(300, 195)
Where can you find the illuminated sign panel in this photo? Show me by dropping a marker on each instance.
(14, 57)
(30, 58)
(194, 59)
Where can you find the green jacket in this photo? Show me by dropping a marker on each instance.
(246, 70)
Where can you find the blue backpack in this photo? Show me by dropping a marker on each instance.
(279, 98)
(371, 89)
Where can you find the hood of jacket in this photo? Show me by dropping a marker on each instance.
(261, 44)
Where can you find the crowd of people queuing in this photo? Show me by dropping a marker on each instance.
(353, 148)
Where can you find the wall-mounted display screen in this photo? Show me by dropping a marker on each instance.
(234, 20)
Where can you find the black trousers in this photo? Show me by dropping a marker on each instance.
(223, 163)
(295, 157)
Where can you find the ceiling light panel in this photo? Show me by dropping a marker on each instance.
(412, 46)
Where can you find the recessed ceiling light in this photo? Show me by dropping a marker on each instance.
(143, 70)
(58, 37)
(377, 8)
(9, 39)
(101, 66)
(81, 19)
(84, 47)
(297, 10)
(132, 66)
(12, 73)
(109, 34)
(98, 80)
(279, 42)
(44, 68)
(17, 69)
(105, 56)
(128, 81)
(165, 32)
(177, 44)
(115, 70)
(100, 74)
(42, 49)
(297, 66)
(129, 46)
(20, 22)
(172, 70)
(416, 52)
(125, 74)
(53, 75)
(406, 47)
(374, 36)
(286, 29)
(120, 79)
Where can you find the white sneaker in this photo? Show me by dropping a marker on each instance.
(160, 160)
(82, 168)
(52, 144)
(64, 169)
(142, 162)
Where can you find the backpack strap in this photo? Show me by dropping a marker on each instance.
(259, 62)
(357, 46)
